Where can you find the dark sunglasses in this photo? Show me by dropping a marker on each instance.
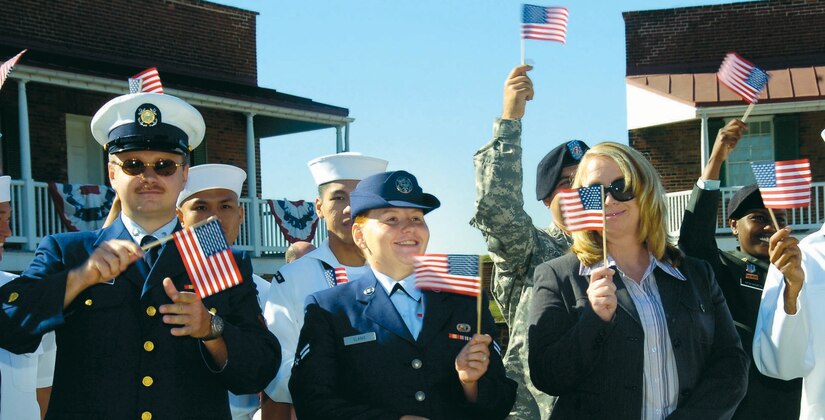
(617, 190)
(135, 167)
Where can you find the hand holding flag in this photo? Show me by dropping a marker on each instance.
(6, 67)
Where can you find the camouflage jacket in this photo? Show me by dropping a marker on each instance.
(515, 245)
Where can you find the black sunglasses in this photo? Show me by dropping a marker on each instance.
(618, 190)
(135, 167)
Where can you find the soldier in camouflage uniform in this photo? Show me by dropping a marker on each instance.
(515, 245)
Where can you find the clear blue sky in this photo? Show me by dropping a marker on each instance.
(423, 80)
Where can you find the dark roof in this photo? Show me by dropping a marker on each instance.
(775, 34)
(170, 79)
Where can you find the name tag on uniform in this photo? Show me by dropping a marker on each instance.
(360, 338)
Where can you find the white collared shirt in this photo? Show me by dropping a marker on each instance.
(138, 232)
(661, 377)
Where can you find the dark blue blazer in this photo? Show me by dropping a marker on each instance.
(342, 372)
(116, 359)
(596, 367)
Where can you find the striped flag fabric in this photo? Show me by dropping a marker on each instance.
(784, 184)
(341, 275)
(582, 208)
(453, 273)
(544, 23)
(742, 77)
(146, 81)
(208, 258)
(5, 68)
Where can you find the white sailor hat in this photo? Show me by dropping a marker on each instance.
(5, 189)
(347, 165)
(212, 176)
(148, 121)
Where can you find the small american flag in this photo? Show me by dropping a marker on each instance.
(742, 77)
(341, 275)
(785, 184)
(146, 81)
(544, 23)
(452, 273)
(208, 258)
(582, 208)
(5, 68)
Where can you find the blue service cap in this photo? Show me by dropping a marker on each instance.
(390, 189)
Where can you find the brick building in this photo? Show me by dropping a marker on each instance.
(80, 55)
(676, 105)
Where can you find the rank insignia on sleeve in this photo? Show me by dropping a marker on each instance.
(301, 354)
(279, 277)
(497, 347)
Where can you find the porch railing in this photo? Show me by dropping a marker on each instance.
(47, 222)
(806, 218)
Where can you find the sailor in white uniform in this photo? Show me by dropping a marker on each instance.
(336, 176)
(22, 374)
(214, 190)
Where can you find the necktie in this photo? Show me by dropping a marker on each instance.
(151, 255)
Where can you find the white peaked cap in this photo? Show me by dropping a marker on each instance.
(148, 121)
(5, 189)
(347, 165)
(212, 176)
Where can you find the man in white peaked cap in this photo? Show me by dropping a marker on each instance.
(135, 341)
(214, 190)
(27, 377)
(336, 176)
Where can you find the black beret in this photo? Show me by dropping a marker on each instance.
(746, 199)
(549, 170)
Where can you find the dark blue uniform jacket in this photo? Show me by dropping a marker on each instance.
(116, 359)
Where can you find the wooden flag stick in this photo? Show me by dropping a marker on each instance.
(604, 227)
(478, 299)
(166, 239)
(773, 217)
(748, 112)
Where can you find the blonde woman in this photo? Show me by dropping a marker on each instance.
(377, 347)
(648, 336)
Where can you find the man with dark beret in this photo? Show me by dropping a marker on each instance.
(134, 341)
(740, 273)
(514, 243)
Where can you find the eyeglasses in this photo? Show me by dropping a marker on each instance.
(618, 190)
(135, 167)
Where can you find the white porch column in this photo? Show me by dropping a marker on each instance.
(346, 138)
(29, 215)
(339, 140)
(703, 147)
(252, 184)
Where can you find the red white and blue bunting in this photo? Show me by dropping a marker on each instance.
(296, 219)
(81, 207)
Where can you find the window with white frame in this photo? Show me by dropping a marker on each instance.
(756, 144)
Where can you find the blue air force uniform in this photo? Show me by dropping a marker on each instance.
(357, 358)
